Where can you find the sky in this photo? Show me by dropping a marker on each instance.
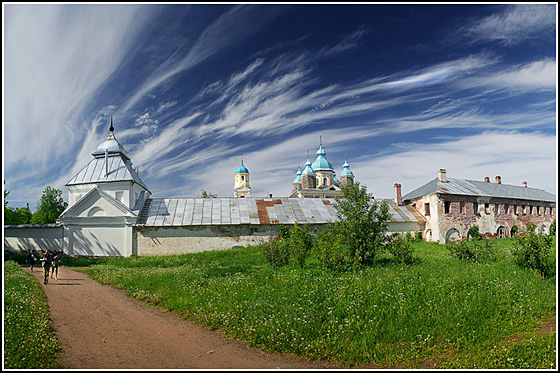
(399, 90)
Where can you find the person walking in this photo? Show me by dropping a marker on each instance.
(47, 263)
(55, 263)
(31, 259)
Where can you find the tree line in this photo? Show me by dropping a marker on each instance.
(49, 209)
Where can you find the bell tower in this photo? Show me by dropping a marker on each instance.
(242, 186)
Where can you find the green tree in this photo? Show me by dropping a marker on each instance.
(363, 222)
(20, 215)
(6, 194)
(51, 206)
(205, 194)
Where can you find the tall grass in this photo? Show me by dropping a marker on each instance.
(29, 340)
(441, 308)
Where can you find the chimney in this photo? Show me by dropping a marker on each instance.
(486, 179)
(498, 179)
(442, 177)
(398, 195)
(524, 184)
(270, 195)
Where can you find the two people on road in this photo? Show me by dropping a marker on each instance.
(50, 262)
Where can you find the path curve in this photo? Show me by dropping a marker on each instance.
(99, 327)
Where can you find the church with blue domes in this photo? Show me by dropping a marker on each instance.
(318, 179)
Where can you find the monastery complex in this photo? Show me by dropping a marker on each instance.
(111, 213)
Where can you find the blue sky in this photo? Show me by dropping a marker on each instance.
(403, 90)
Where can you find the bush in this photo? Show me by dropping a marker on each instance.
(408, 236)
(332, 251)
(292, 245)
(477, 251)
(401, 249)
(536, 252)
(300, 243)
(276, 252)
(474, 233)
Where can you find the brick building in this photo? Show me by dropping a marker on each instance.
(452, 206)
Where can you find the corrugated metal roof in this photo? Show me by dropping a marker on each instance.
(480, 189)
(162, 212)
(120, 169)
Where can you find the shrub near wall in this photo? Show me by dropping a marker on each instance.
(536, 252)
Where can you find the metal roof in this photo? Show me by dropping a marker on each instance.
(119, 167)
(160, 212)
(480, 189)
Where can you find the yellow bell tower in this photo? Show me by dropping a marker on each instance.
(242, 186)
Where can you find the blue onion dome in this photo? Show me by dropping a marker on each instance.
(346, 169)
(321, 163)
(308, 169)
(297, 180)
(242, 169)
(335, 180)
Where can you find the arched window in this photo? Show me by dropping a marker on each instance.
(514, 231)
(452, 235)
(501, 233)
(429, 235)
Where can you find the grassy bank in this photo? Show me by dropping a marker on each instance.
(29, 340)
(440, 311)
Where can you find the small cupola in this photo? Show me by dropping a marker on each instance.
(297, 181)
(110, 145)
(346, 176)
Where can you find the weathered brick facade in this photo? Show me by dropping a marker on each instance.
(452, 207)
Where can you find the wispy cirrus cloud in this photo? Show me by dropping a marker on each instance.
(58, 57)
(255, 103)
(65, 62)
(533, 76)
(347, 42)
(516, 24)
(220, 34)
(489, 153)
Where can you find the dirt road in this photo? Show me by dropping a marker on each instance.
(101, 328)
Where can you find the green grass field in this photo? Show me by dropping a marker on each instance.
(29, 340)
(440, 311)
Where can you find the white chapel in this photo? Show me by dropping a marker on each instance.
(104, 200)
